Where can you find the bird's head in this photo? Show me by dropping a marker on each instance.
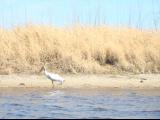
(43, 68)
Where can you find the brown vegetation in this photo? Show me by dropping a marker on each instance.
(79, 49)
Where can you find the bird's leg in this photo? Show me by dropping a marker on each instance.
(52, 84)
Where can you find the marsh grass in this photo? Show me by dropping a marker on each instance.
(79, 49)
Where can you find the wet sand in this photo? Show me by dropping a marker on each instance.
(83, 81)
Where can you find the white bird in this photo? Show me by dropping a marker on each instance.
(53, 77)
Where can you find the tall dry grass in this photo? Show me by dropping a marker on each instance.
(79, 49)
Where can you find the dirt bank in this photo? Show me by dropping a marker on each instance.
(80, 81)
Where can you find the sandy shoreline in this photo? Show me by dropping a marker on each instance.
(141, 81)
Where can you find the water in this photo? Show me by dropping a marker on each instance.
(49, 103)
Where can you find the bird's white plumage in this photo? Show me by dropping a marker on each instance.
(54, 77)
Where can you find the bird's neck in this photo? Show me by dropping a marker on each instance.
(45, 71)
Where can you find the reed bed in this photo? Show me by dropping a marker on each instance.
(79, 49)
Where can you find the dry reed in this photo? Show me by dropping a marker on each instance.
(79, 49)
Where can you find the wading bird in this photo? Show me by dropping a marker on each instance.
(53, 77)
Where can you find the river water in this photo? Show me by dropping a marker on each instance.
(49, 103)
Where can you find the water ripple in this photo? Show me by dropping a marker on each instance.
(75, 104)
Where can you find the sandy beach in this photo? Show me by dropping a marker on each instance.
(81, 81)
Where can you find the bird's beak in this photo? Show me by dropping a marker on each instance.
(41, 69)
